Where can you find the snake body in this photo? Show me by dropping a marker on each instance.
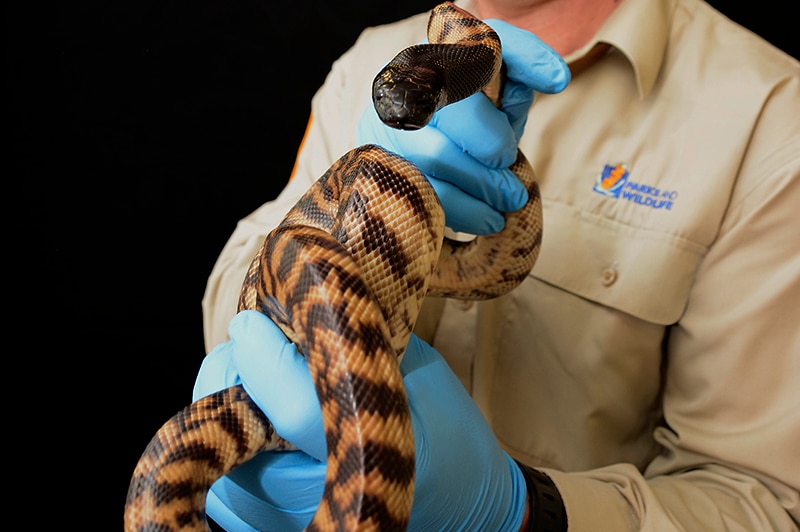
(344, 276)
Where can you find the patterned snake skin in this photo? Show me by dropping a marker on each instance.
(344, 276)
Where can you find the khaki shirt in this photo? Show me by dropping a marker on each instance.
(650, 363)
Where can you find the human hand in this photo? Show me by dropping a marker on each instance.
(463, 479)
(467, 147)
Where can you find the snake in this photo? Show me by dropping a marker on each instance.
(344, 276)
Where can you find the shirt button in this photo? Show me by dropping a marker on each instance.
(465, 304)
(609, 276)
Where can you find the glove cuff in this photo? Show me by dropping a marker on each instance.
(547, 512)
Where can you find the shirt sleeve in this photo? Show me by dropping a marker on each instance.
(729, 439)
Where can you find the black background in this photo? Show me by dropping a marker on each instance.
(141, 132)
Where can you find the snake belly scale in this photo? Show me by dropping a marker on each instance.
(344, 276)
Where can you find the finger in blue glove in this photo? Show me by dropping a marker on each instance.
(273, 491)
(458, 457)
(473, 195)
(274, 374)
(260, 350)
(531, 65)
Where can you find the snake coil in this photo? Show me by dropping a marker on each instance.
(344, 276)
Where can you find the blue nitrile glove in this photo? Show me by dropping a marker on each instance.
(464, 480)
(466, 149)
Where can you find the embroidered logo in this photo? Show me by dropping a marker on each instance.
(611, 180)
(614, 182)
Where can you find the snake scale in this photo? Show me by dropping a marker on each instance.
(344, 276)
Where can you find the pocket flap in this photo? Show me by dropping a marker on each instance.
(639, 271)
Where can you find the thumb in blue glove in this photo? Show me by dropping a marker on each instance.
(464, 480)
(278, 490)
(257, 350)
(466, 149)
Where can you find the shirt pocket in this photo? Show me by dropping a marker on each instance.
(639, 271)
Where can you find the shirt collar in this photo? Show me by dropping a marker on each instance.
(639, 29)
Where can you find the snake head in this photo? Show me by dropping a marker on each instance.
(405, 96)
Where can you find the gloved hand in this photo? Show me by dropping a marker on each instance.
(466, 149)
(464, 480)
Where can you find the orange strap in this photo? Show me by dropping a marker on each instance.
(300, 148)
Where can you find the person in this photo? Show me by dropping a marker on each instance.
(645, 375)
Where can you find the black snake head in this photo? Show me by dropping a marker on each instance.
(406, 95)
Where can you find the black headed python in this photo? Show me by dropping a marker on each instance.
(344, 276)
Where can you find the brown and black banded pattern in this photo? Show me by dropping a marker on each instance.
(344, 276)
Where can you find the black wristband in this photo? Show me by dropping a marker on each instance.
(547, 512)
